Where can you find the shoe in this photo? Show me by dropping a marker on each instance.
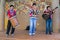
(33, 33)
(50, 33)
(7, 35)
(12, 35)
(30, 34)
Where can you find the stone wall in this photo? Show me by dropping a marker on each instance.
(22, 8)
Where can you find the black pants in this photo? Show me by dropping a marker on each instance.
(9, 26)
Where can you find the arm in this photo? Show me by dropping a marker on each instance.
(14, 12)
(8, 14)
(37, 12)
(30, 12)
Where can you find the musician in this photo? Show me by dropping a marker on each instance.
(11, 12)
(49, 12)
(33, 13)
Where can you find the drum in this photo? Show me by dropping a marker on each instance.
(14, 21)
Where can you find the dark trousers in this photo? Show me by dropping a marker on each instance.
(9, 26)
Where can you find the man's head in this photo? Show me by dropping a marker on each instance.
(48, 7)
(34, 6)
(11, 7)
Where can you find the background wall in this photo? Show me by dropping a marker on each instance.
(22, 8)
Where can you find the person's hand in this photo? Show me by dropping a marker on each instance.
(9, 18)
(35, 15)
(53, 12)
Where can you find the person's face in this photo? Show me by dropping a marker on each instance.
(11, 8)
(34, 7)
(49, 8)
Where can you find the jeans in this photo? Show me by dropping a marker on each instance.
(9, 26)
(48, 26)
(32, 25)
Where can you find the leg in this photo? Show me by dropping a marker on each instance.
(50, 27)
(47, 26)
(12, 31)
(31, 26)
(8, 27)
(34, 27)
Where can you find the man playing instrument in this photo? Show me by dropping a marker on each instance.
(11, 12)
(49, 12)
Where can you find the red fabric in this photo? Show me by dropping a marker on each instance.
(46, 11)
(30, 14)
(9, 14)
